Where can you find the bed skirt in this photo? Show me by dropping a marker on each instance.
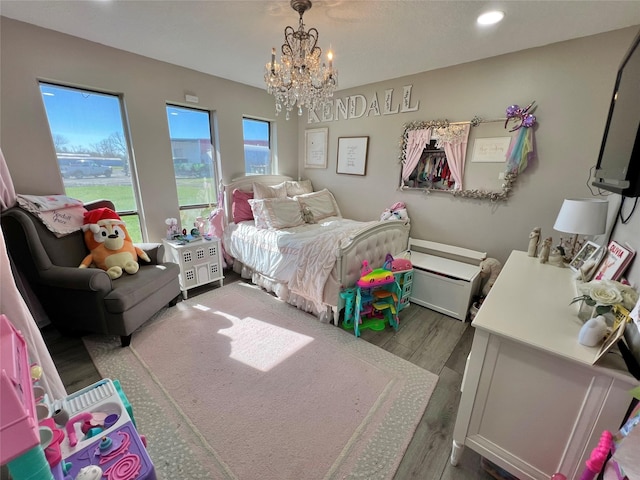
(324, 312)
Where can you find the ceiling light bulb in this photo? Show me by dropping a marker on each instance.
(490, 18)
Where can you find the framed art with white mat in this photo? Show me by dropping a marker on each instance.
(315, 143)
(352, 155)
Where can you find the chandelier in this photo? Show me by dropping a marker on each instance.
(301, 78)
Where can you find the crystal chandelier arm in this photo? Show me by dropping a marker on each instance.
(301, 78)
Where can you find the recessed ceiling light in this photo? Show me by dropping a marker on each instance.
(490, 18)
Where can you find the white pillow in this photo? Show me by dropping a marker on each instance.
(261, 191)
(277, 213)
(322, 204)
(298, 188)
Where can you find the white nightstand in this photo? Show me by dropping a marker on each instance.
(199, 261)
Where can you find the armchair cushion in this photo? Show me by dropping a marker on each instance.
(133, 289)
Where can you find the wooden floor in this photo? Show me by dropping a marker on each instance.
(433, 341)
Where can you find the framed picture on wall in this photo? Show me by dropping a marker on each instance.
(315, 147)
(352, 155)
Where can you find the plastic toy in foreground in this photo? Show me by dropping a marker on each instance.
(372, 278)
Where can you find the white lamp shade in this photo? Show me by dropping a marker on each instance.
(582, 216)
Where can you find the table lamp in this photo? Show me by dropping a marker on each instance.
(582, 216)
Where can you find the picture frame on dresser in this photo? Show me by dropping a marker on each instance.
(616, 260)
(589, 251)
(611, 339)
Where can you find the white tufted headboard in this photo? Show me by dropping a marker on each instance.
(371, 244)
(245, 183)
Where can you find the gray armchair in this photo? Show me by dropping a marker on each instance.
(86, 299)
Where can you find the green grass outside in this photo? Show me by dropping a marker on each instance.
(190, 191)
(120, 195)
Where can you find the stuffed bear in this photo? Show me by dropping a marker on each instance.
(490, 269)
(109, 244)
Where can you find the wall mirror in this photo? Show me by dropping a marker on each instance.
(430, 158)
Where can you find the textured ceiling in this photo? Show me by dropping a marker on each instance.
(372, 40)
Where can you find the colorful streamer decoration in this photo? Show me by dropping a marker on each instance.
(522, 149)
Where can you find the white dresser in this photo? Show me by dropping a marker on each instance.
(532, 402)
(199, 261)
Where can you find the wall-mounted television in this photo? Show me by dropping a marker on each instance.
(618, 167)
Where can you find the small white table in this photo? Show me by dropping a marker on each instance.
(200, 262)
(532, 402)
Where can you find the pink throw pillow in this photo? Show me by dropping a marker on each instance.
(240, 208)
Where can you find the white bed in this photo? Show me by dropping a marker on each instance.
(307, 265)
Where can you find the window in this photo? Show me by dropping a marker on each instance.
(257, 146)
(88, 133)
(195, 172)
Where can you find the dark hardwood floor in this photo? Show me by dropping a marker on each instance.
(426, 338)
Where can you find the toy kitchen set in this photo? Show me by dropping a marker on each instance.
(88, 435)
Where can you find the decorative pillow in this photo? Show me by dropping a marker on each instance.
(240, 208)
(277, 213)
(261, 191)
(298, 188)
(259, 213)
(322, 204)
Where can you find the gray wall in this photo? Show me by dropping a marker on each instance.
(29, 54)
(571, 83)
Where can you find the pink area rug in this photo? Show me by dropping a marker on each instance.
(235, 384)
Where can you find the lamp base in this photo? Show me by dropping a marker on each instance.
(572, 246)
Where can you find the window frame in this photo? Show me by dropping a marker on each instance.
(126, 132)
(215, 156)
(273, 158)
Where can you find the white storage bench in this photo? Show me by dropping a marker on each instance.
(445, 277)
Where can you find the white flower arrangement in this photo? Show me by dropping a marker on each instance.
(605, 294)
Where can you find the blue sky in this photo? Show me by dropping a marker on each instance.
(85, 118)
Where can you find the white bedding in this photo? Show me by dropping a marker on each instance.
(301, 257)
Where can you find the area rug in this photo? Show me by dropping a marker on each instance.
(235, 384)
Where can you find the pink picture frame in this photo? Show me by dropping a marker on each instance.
(616, 260)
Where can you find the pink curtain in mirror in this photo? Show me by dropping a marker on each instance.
(456, 155)
(416, 141)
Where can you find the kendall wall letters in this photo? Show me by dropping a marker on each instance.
(357, 106)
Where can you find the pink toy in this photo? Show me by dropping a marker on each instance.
(52, 451)
(598, 456)
(71, 426)
(397, 264)
(372, 278)
(18, 417)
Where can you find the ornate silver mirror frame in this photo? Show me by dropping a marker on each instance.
(507, 181)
